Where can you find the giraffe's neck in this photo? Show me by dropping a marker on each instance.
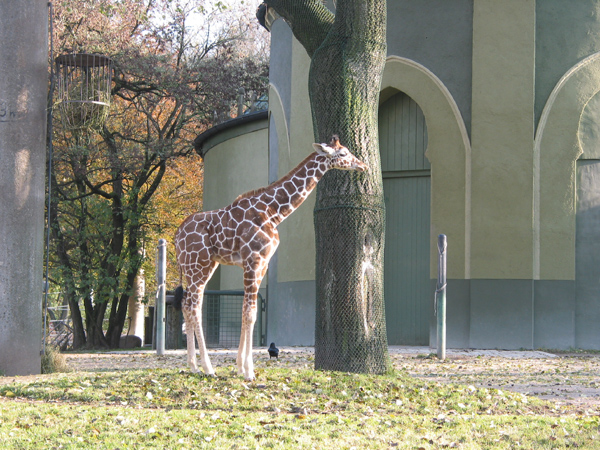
(284, 196)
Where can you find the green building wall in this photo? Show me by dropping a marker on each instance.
(291, 288)
(509, 91)
(235, 161)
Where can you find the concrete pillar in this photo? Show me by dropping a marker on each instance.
(23, 89)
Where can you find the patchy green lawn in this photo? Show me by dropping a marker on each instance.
(152, 402)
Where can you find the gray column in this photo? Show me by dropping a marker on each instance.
(23, 88)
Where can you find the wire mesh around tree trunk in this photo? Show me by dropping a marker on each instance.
(349, 213)
(347, 50)
(350, 332)
(84, 86)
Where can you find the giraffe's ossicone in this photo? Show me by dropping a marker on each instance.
(245, 234)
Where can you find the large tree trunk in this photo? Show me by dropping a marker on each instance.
(79, 339)
(344, 81)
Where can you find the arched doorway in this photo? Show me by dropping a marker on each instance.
(407, 190)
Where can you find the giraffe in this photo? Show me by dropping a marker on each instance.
(245, 234)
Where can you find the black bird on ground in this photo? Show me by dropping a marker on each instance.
(273, 351)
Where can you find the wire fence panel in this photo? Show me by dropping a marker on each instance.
(221, 322)
(222, 319)
(59, 331)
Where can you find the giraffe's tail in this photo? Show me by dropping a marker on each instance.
(178, 297)
(179, 292)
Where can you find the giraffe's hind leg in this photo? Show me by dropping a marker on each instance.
(191, 343)
(192, 313)
(193, 327)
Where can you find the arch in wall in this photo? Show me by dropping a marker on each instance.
(556, 150)
(449, 153)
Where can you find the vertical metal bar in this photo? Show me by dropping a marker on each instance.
(96, 73)
(440, 293)
(161, 275)
(240, 105)
(263, 322)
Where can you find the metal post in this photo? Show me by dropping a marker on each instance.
(161, 275)
(440, 297)
(240, 105)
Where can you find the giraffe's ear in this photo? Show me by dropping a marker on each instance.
(323, 149)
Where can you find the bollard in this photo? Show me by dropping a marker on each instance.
(440, 298)
(161, 275)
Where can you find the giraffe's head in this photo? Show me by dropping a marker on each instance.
(339, 156)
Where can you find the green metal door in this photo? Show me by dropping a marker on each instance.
(407, 189)
(587, 257)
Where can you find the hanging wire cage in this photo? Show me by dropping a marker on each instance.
(84, 84)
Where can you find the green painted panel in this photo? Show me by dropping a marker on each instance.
(587, 256)
(407, 189)
(407, 286)
(402, 134)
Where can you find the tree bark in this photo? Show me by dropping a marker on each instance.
(344, 80)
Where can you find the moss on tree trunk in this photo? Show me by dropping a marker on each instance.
(348, 52)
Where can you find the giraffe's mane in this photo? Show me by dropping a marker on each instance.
(260, 190)
(252, 193)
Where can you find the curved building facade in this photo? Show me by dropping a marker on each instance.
(490, 133)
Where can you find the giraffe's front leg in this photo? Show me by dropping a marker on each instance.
(255, 266)
(245, 364)
(252, 279)
(247, 331)
(241, 349)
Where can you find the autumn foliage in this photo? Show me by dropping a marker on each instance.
(119, 187)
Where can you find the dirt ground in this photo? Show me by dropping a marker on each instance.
(566, 379)
(570, 381)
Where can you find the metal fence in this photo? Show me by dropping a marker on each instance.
(59, 331)
(221, 321)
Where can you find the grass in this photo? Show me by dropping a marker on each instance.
(53, 360)
(574, 351)
(288, 406)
